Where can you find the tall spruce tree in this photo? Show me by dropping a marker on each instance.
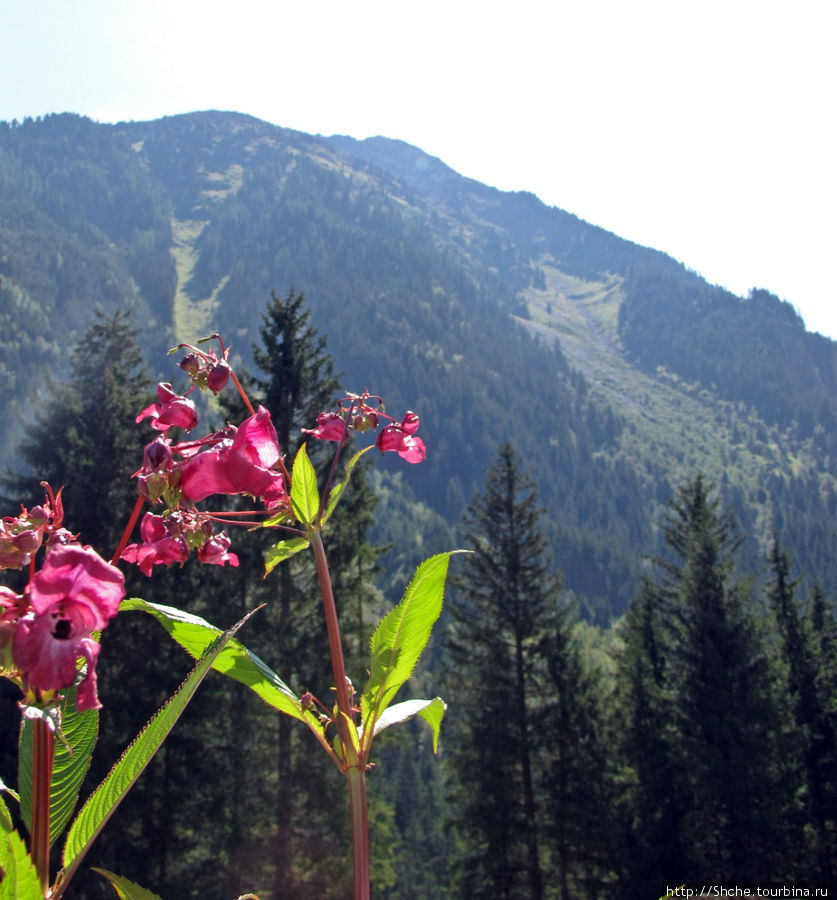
(296, 381)
(714, 703)
(810, 739)
(525, 746)
(575, 771)
(83, 435)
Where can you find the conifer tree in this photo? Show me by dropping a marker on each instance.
(711, 701)
(83, 434)
(296, 381)
(575, 778)
(811, 737)
(503, 606)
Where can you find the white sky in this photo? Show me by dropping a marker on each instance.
(707, 130)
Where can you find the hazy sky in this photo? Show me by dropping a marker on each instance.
(706, 130)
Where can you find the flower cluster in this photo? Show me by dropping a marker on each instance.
(233, 461)
(205, 369)
(168, 539)
(236, 461)
(22, 536)
(45, 630)
(355, 412)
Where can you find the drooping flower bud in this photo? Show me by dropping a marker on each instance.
(218, 376)
(191, 364)
(157, 454)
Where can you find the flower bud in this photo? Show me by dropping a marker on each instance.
(190, 364)
(157, 454)
(218, 376)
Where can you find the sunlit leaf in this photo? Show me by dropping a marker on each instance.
(402, 635)
(127, 890)
(195, 634)
(305, 498)
(19, 880)
(283, 550)
(431, 711)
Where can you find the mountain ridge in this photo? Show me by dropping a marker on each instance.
(416, 274)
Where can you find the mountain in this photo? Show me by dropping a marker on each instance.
(616, 372)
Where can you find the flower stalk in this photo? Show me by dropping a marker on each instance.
(43, 752)
(354, 762)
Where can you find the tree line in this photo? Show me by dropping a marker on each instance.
(694, 736)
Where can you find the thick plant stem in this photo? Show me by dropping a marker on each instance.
(360, 831)
(43, 748)
(355, 765)
(334, 644)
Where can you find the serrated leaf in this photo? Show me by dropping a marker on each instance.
(107, 796)
(127, 890)
(5, 817)
(19, 879)
(432, 711)
(401, 637)
(305, 498)
(8, 790)
(195, 634)
(73, 749)
(283, 550)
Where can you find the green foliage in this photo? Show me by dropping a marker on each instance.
(702, 716)
(18, 878)
(73, 749)
(126, 890)
(401, 637)
(305, 498)
(101, 804)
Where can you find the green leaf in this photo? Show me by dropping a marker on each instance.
(431, 711)
(9, 791)
(283, 550)
(401, 637)
(107, 796)
(73, 749)
(5, 817)
(195, 634)
(19, 879)
(305, 498)
(127, 890)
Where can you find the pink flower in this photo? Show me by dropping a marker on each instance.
(170, 410)
(74, 594)
(159, 546)
(215, 551)
(400, 439)
(331, 426)
(242, 466)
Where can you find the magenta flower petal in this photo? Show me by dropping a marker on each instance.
(256, 440)
(78, 575)
(331, 426)
(75, 593)
(206, 474)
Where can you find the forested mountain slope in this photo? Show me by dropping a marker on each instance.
(614, 370)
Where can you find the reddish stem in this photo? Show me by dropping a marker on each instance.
(354, 765)
(126, 534)
(43, 748)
